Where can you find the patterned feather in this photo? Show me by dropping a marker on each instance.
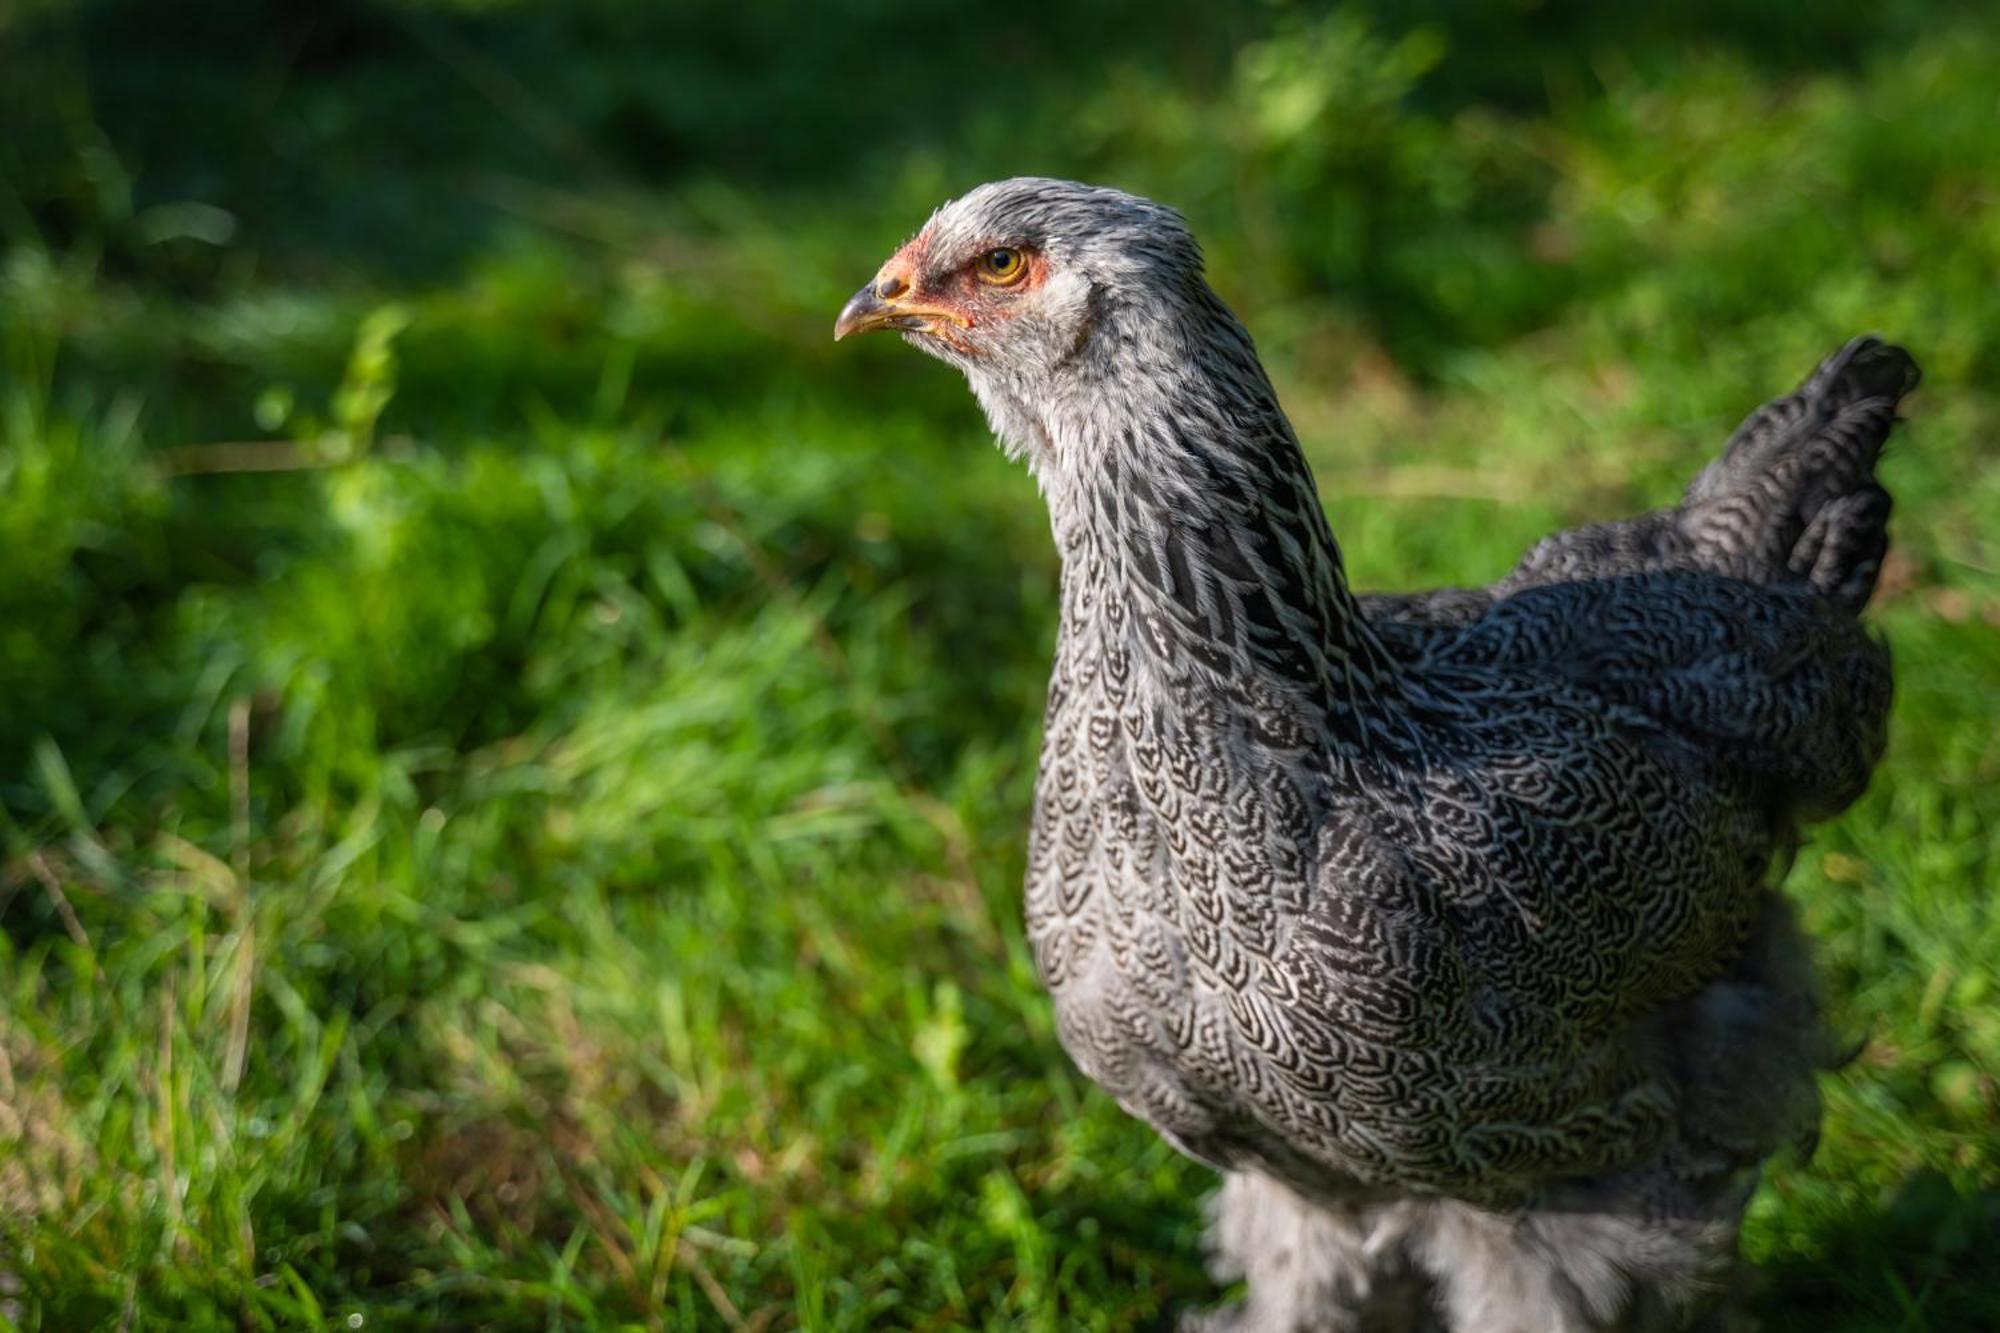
(1445, 924)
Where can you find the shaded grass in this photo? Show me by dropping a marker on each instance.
(542, 849)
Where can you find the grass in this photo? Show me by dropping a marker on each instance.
(516, 752)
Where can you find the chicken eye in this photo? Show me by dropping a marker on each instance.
(1002, 266)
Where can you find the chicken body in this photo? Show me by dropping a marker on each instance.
(1445, 925)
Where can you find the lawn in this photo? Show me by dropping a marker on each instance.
(516, 751)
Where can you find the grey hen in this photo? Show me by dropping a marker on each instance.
(1444, 925)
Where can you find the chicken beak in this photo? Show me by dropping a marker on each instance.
(863, 311)
(885, 304)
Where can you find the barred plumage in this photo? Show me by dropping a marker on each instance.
(1445, 925)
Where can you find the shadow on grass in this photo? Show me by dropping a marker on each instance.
(354, 134)
(1927, 1261)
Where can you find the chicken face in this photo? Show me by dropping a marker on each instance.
(940, 304)
(1011, 283)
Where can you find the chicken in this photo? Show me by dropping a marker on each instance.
(1445, 926)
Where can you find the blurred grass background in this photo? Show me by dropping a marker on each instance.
(514, 753)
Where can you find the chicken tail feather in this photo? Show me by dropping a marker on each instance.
(1794, 496)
